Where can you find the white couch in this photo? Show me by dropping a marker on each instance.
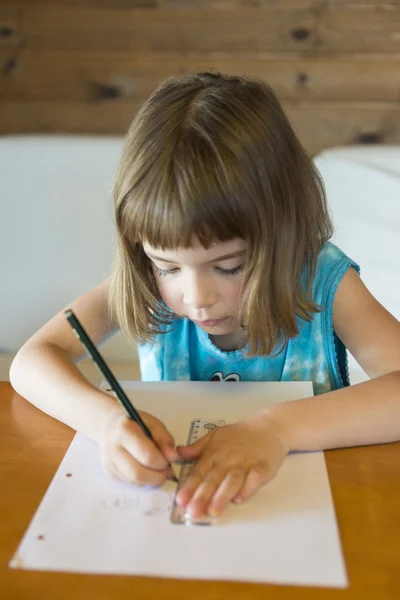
(57, 239)
(363, 188)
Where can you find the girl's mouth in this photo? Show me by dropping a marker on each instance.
(211, 322)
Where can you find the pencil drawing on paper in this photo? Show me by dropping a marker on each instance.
(144, 503)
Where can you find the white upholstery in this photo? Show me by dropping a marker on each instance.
(57, 232)
(56, 229)
(363, 188)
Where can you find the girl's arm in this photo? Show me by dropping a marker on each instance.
(366, 413)
(44, 370)
(235, 461)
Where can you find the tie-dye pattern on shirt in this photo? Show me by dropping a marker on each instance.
(316, 354)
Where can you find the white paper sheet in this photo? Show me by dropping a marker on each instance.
(92, 523)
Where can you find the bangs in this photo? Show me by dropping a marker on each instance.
(195, 195)
(209, 158)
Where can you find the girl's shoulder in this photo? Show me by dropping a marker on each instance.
(332, 260)
(332, 264)
(330, 254)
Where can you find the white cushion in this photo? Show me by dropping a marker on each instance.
(56, 221)
(57, 234)
(363, 190)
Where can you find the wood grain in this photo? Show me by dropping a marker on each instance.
(10, 20)
(85, 67)
(318, 125)
(365, 484)
(70, 28)
(219, 4)
(326, 30)
(82, 76)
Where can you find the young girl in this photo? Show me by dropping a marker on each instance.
(223, 272)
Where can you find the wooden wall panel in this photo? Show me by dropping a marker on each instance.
(70, 28)
(318, 125)
(10, 25)
(322, 125)
(324, 31)
(218, 4)
(93, 76)
(86, 65)
(283, 5)
(96, 4)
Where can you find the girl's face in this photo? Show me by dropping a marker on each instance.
(202, 285)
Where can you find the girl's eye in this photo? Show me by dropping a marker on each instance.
(163, 272)
(233, 271)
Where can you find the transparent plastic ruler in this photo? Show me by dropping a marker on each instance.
(198, 428)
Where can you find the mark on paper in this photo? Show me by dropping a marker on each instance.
(146, 503)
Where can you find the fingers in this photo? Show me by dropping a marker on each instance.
(231, 463)
(209, 488)
(162, 437)
(139, 446)
(202, 482)
(227, 490)
(258, 476)
(210, 492)
(194, 450)
(127, 453)
(215, 492)
(154, 453)
(126, 468)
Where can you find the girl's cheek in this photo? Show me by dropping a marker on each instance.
(167, 294)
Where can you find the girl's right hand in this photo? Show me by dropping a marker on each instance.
(127, 453)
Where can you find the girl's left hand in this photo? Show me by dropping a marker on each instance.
(232, 463)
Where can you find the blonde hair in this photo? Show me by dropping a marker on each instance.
(214, 156)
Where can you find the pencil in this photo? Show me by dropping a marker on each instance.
(105, 370)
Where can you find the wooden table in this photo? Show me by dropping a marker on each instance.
(366, 489)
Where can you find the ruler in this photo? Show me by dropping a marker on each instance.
(198, 429)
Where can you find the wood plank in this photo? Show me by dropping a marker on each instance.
(365, 485)
(362, 4)
(69, 28)
(10, 17)
(239, 4)
(346, 29)
(84, 76)
(287, 5)
(330, 29)
(216, 4)
(323, 125)
(319, 125)
(59, 117)
(96, 4)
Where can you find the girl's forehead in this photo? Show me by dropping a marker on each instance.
(196, 253)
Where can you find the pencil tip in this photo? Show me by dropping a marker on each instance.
(173, 477)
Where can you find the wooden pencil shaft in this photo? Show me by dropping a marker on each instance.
(105, 370)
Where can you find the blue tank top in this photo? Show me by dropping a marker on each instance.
(186, 353)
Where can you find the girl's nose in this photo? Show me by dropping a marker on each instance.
(199, 293)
